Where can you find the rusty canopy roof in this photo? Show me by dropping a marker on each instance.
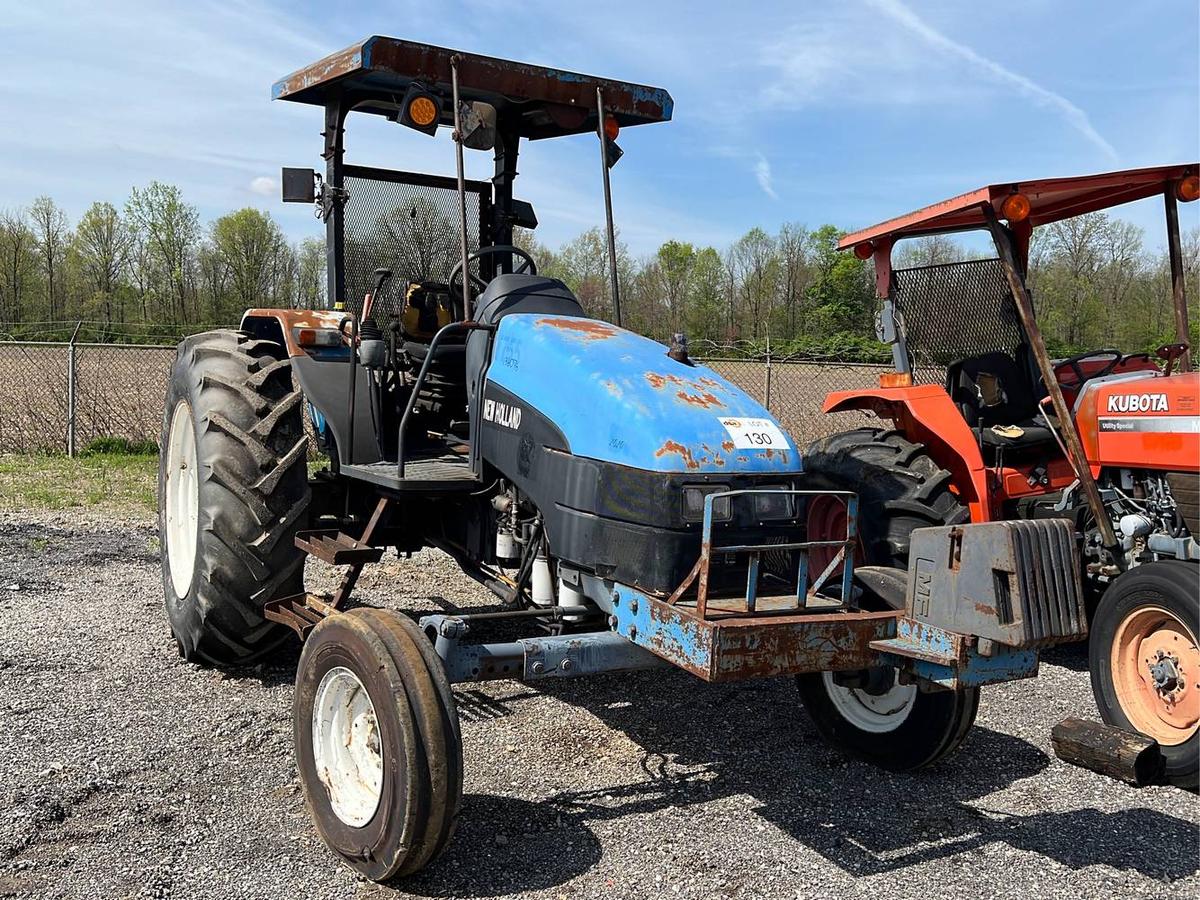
(1050, 199)
(374, 74)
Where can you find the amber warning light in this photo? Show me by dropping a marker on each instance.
(1015, 208)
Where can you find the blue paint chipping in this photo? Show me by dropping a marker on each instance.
(618, 397)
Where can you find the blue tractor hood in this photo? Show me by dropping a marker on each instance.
(617, 397)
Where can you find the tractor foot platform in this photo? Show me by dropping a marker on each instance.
(448, 473)
(300, 612)
(336, 548)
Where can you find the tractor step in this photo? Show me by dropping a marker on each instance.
(300, 612)
(336, 548)
(446, 473)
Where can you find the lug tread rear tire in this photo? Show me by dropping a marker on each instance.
(900, 488)
(253, 495)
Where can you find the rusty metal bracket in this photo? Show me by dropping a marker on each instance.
(302, 612)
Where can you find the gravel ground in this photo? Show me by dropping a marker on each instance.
(125, 772)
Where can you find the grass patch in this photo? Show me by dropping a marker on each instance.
(120, 482)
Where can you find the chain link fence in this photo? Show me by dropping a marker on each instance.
(56, 397)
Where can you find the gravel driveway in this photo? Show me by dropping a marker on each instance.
(126, 773)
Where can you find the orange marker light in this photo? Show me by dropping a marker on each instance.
(422, 111)
(864, 250)
(1188, 188)
(611, 128)
(1015, 208)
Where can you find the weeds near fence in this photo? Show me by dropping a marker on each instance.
(109, 482)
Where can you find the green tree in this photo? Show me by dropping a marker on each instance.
(170, 229)
(101, 246)
(52, 234)
(254, 255)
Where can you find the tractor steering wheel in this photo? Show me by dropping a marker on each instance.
(1073, 363)
(528, 266)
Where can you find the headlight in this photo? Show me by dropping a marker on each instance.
(775, 505)
(693, 503)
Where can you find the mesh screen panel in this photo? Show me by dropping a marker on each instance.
(956, 310)
(409, 224)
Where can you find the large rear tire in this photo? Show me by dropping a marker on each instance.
(899, 487)
(1145, 661)
(378, 747)
(232, 491)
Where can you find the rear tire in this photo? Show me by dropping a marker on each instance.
(1150, 608)
(900, 728)
(899, 488)
(382, 776)
(232, 492)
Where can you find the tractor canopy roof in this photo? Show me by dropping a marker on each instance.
(1050, 199)
(537, 102)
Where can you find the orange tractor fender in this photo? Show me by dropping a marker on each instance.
(926, 414)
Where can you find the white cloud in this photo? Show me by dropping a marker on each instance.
(1074, 116)
(265, 185)
(762, 173)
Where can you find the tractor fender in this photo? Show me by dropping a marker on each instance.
(324, 378)
(926, 414)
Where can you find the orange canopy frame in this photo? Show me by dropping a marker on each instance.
(1050, 200)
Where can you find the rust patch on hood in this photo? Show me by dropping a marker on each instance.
(677, 449)
(584, 329)
(705, 400)
(693, 393)
(727, 446)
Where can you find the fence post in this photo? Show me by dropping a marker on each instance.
(71, 449)
(767, 386)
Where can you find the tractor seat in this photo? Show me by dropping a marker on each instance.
(992, 389)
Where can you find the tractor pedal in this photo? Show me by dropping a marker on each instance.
(300, 612)
(336, 548)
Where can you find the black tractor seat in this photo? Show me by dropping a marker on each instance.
(995, 395)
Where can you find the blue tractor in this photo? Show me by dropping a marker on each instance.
(629, 507)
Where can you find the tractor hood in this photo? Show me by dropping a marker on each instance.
(617, 397)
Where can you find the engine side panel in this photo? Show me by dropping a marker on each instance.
(1143, 423)
(618, 398)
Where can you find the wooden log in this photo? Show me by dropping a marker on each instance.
(1131, 757)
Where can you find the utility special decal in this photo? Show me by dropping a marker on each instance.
(1151, 424)
(503, 414)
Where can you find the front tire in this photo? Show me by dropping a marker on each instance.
(894, 726)
(1145, 661)
(378, 747)
(232, 491)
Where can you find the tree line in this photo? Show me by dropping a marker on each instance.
(151, 271)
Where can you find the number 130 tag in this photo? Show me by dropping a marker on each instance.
(749, 434)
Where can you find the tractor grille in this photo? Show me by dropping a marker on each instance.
(408, 223)
(955, 310)
(1047, 573)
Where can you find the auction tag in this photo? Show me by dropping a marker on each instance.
(748, 434)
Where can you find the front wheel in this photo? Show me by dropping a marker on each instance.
(892, 725)
(378, 748)
(1145, 661)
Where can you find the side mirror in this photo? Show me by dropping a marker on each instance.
(299, 185)
(478, 125)
(523, 215)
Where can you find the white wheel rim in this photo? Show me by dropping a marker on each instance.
(182, 495)
(347, 751)
(876, 713)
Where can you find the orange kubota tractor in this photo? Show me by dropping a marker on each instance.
(986, 426)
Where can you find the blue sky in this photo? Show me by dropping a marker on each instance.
(846, 112)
